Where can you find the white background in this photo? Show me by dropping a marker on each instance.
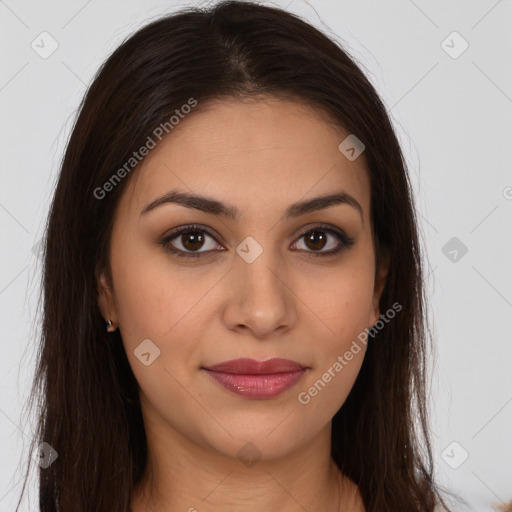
(453, 117)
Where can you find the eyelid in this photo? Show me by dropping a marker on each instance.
(323, 227)
(190, 227)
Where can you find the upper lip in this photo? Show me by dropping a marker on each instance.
(247, 366)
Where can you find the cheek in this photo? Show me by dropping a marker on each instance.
(157, 299)
(341, 301)
(153, 293)
(339, 353)
(328, 388)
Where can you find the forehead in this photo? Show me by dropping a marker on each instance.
(260, 153)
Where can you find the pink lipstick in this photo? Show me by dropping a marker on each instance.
(257, 379)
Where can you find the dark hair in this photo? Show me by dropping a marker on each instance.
(88, 409)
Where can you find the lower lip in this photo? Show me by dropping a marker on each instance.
(257, 386)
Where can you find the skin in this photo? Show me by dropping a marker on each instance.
(259, 155)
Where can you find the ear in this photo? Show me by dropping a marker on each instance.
(380, 281)
(106, 301)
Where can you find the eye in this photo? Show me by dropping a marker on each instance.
(323, 237)
(187, 240)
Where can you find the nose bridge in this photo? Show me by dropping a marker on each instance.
(260, 299)
(256, 269)
(260, 275)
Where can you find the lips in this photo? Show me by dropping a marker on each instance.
(252, 367)
(257, 379)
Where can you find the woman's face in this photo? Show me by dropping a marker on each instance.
(255, 284)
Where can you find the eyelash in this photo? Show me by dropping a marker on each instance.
(345, 241)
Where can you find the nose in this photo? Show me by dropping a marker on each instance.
(260, 299)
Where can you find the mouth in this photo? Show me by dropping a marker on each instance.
(257, 379)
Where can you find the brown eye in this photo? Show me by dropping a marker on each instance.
(192, 240)
(188, 240)
(319, 238)
(315, 240)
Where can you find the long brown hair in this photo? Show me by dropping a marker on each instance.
(88, 409)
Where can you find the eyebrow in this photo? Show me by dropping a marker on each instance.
(215, 207)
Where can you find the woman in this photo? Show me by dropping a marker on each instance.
(233, 297)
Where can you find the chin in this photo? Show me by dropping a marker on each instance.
(263, 441)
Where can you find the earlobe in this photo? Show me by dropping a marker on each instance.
(106, 301)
